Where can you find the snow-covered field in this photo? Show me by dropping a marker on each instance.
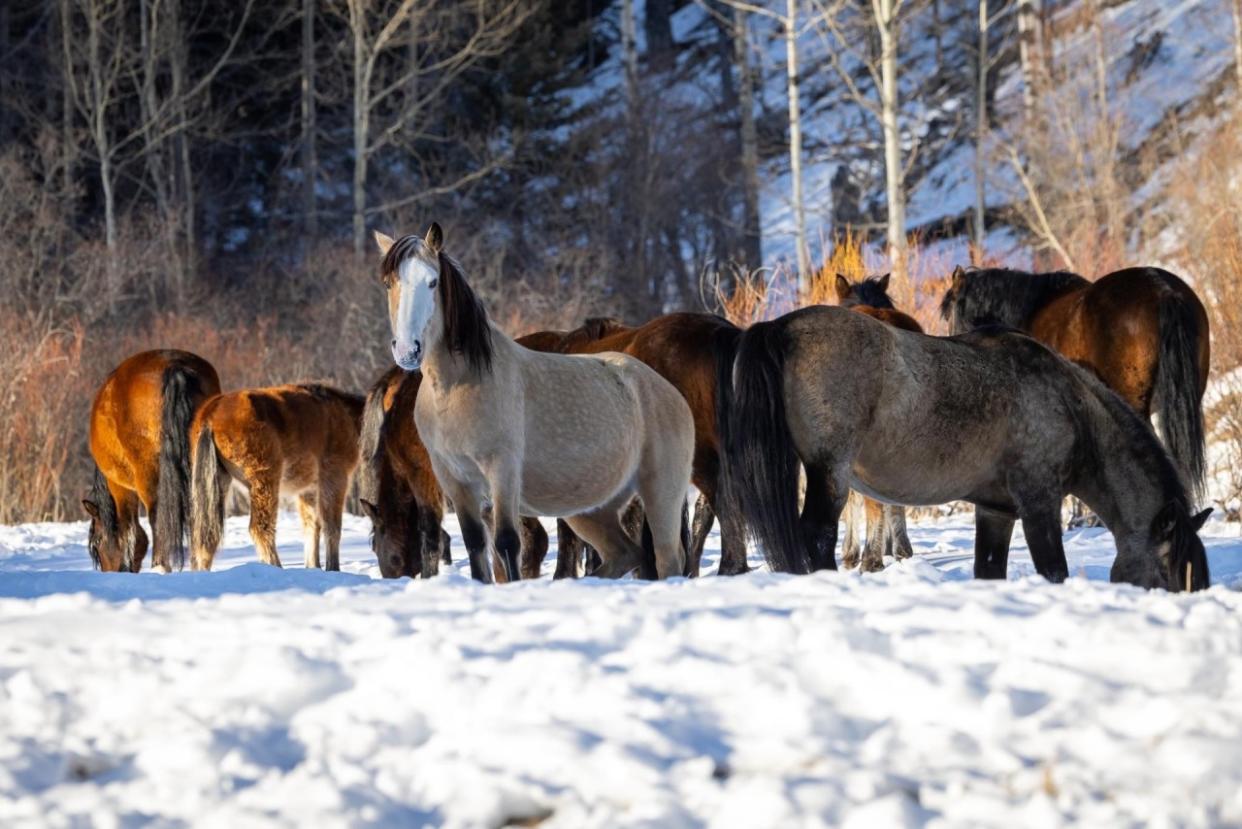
(253, 697)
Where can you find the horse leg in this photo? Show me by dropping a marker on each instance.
(473, 531)
(308, 512)
(898, 538)
(826, 493)
(993, 530)
(534, 547)
(1042, 527)
(873, 555)
(431, 543)
(505, 479)
(850, 549)
(568, 551)
(732, 534)
(704, 517)
(129, 528)
(264, 505)
(331, 508)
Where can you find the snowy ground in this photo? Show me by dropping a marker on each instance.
(252, 697)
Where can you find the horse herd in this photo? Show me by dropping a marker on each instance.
(1046, 389)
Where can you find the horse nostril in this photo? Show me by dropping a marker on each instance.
(394, 342)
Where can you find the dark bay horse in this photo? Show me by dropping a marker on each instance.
(534, 433)
(992, 417)
(886, 523)
(139, 440)
(683, 348)
(298, 440)
(1142, 330)
(399, 492)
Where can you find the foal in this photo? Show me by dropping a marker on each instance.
(139, 440)
(499, 427)
(297, 440)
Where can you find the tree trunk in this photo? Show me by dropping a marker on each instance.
(310, 172)
(886, 23)
(752, 240)
(981, 130)
(67, 145)
(1028, 58)
(795, 140)
(1236, 8)
(362, 107)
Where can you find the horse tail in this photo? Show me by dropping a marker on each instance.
(759, 463)
(1178, 397)
(207, 496)
(181, 388)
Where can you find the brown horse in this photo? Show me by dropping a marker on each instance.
(300, 440)
(1142, 330)
(139, 439)
(399, 492)
(886, 523)
(683, 349)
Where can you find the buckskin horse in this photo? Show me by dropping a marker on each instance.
(139, 440)
(499, 427)
(298, 440)
(1142, 330)
(992, 417)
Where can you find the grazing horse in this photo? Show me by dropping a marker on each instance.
(297, 440)
(500, 427)
(683, 348)
(139, 440)
(991, 417)
(886, 523)
(1142, 330)
(399, 492)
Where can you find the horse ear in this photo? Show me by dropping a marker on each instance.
(883, 282)
(843, 286)
(1165, 521)
(959, 273)
(92, 509)
(1199, 520)
(370, 509)
(434, 237)
(384, 241)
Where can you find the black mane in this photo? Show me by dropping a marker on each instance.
(466, 330)
(1002, 295)
(101, 496)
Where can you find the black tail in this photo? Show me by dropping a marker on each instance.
(759, 465)
(1178, 398)
(172, 511)
(207, 498)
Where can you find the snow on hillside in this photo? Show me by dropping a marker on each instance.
(251, 696)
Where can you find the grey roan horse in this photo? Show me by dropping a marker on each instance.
(991, 417)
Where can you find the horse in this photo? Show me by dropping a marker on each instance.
(682, 348)
(139, 441)
(398, 490)
(499, 425)
(992, 417)
(1143, 330)
(296, 440)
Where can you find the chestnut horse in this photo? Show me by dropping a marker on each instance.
(298, 440)
(535, 433)
(399, 492)
(1142, 330)
(139, 439)
(683, 349)
(886, 523)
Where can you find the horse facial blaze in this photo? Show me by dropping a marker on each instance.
(410, 311)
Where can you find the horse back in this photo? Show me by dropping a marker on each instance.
(125, 419)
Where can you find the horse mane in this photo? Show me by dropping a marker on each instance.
(1007, 296)
(466, 329)
(370, 471)
(596, 328)
(101, 496)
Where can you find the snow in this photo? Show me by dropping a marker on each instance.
(253, 696)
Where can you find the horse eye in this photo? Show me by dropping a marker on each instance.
(434, 283)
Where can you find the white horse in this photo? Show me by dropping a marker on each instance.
(531, 433)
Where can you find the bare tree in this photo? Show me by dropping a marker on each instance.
(750, 139)
(463, 35)
(887, 17)
(1028, 52)
(310, 165)
(1236, 8)
(981, 127)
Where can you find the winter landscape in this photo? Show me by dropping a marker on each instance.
(242, 244)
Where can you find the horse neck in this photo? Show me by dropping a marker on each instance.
(443, 369)
(1119, 482)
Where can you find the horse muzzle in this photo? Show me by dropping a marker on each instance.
(407, 355)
